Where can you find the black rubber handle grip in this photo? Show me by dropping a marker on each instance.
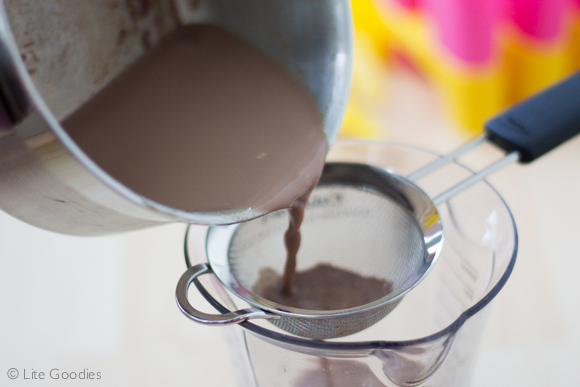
(540, 123)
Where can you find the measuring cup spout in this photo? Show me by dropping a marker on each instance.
(413, 364)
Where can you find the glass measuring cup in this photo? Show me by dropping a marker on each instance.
(432, 337)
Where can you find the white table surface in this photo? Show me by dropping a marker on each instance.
(106, 305)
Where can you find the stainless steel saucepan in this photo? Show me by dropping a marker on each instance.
(56, 54)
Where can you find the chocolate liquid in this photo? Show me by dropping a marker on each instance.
(292, 239)
(204, 122)
(338, 373)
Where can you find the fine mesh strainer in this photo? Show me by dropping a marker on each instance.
(359, 218)
(371, 222)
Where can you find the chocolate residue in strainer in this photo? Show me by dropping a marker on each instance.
(323, 287)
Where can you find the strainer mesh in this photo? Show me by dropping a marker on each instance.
(350, 227)
(354, 228)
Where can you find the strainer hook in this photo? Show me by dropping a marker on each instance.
(189, 311)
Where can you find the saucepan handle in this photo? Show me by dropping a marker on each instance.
(235, 317)
(539, 123)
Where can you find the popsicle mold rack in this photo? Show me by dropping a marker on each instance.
(482, 55)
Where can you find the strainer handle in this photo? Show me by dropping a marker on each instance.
(235, 317)
(540, 123)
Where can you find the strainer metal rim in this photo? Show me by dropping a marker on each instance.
(218, 241)
(227, 280)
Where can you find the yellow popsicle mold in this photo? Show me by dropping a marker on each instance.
(574, 45)
(471, 93)
(533, 65)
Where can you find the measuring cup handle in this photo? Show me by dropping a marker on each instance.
(540, 123)
(235, 317)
